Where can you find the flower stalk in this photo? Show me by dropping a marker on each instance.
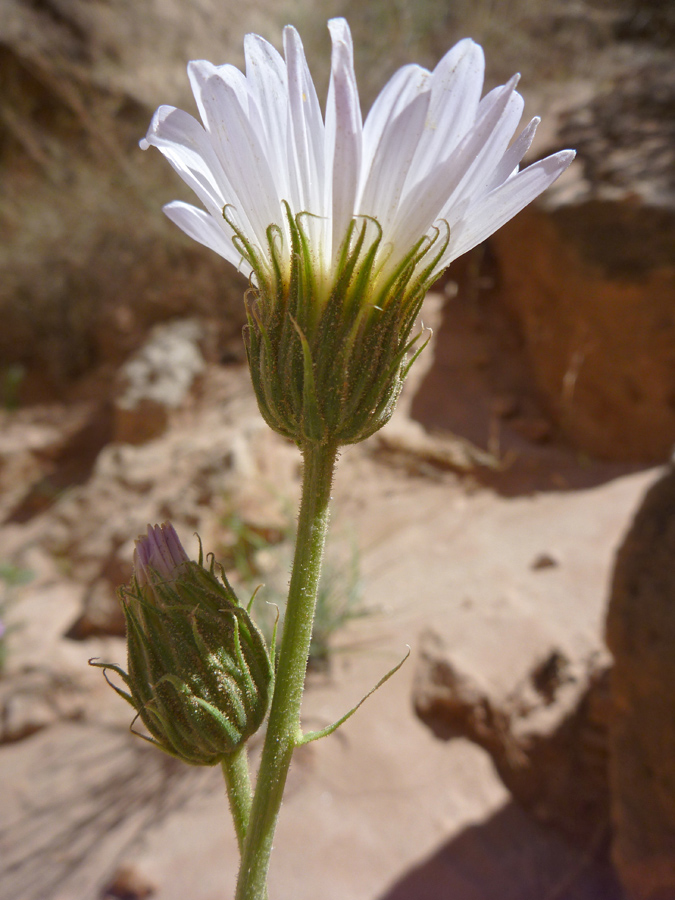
(283, 728)
(239, 790)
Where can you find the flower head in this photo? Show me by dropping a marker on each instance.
(200, 677)
(328, 209)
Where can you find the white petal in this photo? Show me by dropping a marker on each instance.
(182, 140)
(241, 154)
(199, 71)
(502, 204)
(306, 129)
(455, 86)
(204, 229)
(383, 189)
(422, 206)
(266, 75)
(441, 192)
(215, 89)
(343, 134)
(491, 138)
(404, 86)
(508, 165)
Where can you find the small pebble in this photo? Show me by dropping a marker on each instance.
(544, 561)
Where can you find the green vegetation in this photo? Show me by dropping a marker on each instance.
(11, 577)
(11, 379)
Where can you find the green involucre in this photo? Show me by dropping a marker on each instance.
(199, 674)
(328, 361)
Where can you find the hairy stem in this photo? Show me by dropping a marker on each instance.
(239, 791)
(283, 729)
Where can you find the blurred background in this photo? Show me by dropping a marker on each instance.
(524, 445)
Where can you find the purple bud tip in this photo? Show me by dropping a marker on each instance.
(159, 550)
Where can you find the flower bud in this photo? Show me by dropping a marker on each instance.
(200, 677)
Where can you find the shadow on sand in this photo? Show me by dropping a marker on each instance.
(510, 857)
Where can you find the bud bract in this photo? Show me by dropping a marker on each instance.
(199, 673)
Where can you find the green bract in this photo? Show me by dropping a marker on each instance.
(328, 360)
(200, 677)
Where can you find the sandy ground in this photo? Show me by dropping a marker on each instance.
(381, 809)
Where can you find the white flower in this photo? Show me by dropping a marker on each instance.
(343, 225)
(431, 155)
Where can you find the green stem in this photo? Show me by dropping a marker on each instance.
(239, 792)
(283, 729)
